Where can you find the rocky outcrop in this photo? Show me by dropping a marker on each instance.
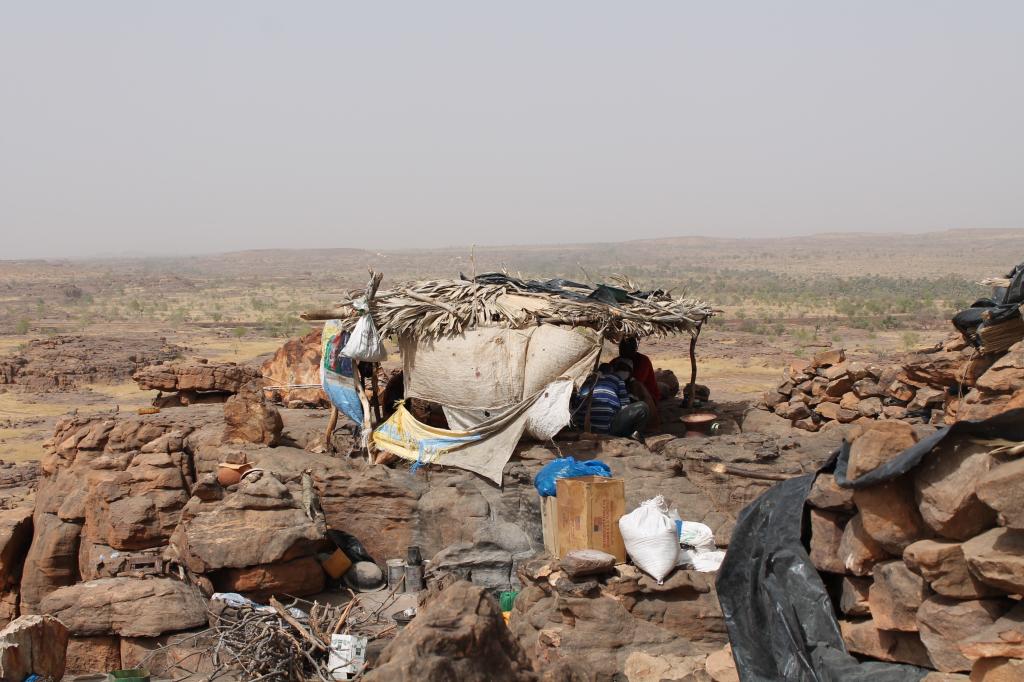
(459, 635)
(195, 376)
(593, 625)
(260, 523)
(66, 362)
(296, 363)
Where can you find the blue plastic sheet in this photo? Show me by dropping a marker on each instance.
(567, 467)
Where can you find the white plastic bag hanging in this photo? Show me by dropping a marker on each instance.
(364, 343)
(651, 539)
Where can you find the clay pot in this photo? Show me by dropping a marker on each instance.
(700, 424)
(230, 474)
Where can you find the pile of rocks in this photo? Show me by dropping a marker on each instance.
(938, 385)
(922, 568)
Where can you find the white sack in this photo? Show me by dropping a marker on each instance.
(697, 535)
(650, 538)
(364, 344)
(703, 561)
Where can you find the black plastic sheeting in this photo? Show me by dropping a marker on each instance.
(779, 615)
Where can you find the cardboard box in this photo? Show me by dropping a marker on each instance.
(549, 523)
(589, 509)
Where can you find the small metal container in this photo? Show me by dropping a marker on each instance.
(414, 578)
(396, 573)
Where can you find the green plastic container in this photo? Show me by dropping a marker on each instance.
(506, 600)
(133, 675)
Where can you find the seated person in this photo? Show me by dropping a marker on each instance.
(643, 370)
(644, 384)
(612, 409)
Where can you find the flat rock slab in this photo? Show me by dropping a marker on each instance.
(945, 623)
(1004, 638)
(945, 487)
(895, 596)
(865, 638)
(997, 558)
(942, 564)
(1002, 489)
(127, 606)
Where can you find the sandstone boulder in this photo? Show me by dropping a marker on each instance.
(459, 635)
(643, 667)
(721, 666)
(259, 523)
(997, 558)
(877, 444)
(139, 507)
(853, 599)
(250, 418)
(52, 559)
(1006, 375)
(299, 578)
(15, 538)
(793, 410)
(1004, 638)
(998, 670)
(297, 362)
(127, 606)
(944, 623)
(829, 358)
(827, 495)
(195, 376)
(826, 538)
(33, 644)
(945, 484)
(858, 551)
(1002, 489)
(890, 516)
(895, 595)
(91, 654)
(943, 565)
(865, 638)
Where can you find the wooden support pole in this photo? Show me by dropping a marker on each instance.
(693, 368)
(332, 423)
(378, 409)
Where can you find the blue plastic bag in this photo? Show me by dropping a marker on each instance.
(567, 467)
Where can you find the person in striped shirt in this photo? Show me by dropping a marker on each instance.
(612, 409)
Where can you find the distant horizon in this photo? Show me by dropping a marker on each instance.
(511, 245)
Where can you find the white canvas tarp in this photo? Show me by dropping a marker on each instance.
(487, 372)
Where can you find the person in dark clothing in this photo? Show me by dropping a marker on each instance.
(612, 409)
(643, 383)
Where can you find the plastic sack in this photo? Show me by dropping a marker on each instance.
(364, 343)
(703, 561)
(651, 539)
(697, 535)
(567, 467)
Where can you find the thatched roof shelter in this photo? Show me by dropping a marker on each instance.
(447, 308)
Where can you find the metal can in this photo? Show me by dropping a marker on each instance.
(413, 578)
(396, 573)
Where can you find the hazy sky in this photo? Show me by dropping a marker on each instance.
(146, 127)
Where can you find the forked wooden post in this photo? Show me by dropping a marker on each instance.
(693, 366)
